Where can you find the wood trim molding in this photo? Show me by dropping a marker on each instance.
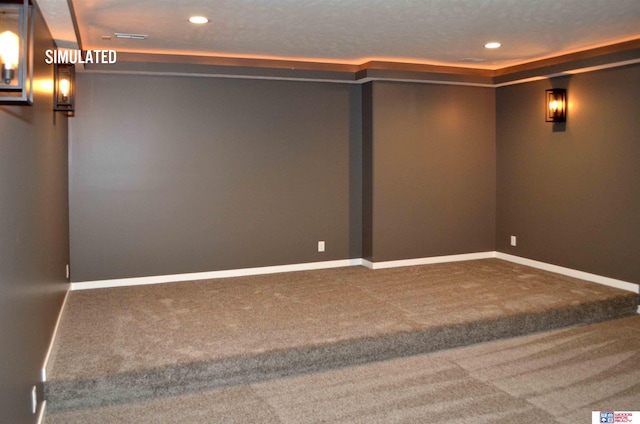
(612, 49)
(170, 64)
(427, 68)
(239, 62)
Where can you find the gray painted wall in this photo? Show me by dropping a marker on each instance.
(572, 196)
(367, 171)
(175, 175)
(430, 166)
(34, 238)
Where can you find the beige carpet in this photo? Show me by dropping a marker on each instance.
(553, 377)
(122, 344)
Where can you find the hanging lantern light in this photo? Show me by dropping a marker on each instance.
(16, 53)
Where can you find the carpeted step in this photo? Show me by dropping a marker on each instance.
(186, 377)
(555, 376)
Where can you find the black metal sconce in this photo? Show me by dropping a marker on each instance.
(16, 53)
(64, 87)
(556, 105)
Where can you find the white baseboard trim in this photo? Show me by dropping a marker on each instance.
(611, 282)
(43, 372)
(41, 412)
(429, 261)
(159, 279)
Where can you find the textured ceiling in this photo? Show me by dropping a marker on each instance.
(450, 32)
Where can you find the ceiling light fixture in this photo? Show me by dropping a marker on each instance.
(127, 36)
(198, 20)
(492, 45)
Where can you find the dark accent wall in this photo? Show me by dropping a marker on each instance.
(177, 175)
(571, 193)
(429, 159)
(34, 240)
(367, 171)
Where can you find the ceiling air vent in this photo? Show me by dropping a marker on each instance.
(131, 36)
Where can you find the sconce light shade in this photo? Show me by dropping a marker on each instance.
(64, 87)
(556, 105)
(16, 53)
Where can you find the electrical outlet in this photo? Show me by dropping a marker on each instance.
(67, 271)
(321, 246)
(34, 400)
(513, 240)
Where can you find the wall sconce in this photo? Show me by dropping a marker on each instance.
(64, 87)
(556, 105)
(16, 53)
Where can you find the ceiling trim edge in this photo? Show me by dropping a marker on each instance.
(619, 54)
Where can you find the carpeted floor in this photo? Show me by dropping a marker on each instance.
(552, 377)
(140, 343)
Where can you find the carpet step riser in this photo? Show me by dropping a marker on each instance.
(129, 387)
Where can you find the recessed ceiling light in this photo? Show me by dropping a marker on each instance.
(492, 45)
(198, 20)
(127, 36)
